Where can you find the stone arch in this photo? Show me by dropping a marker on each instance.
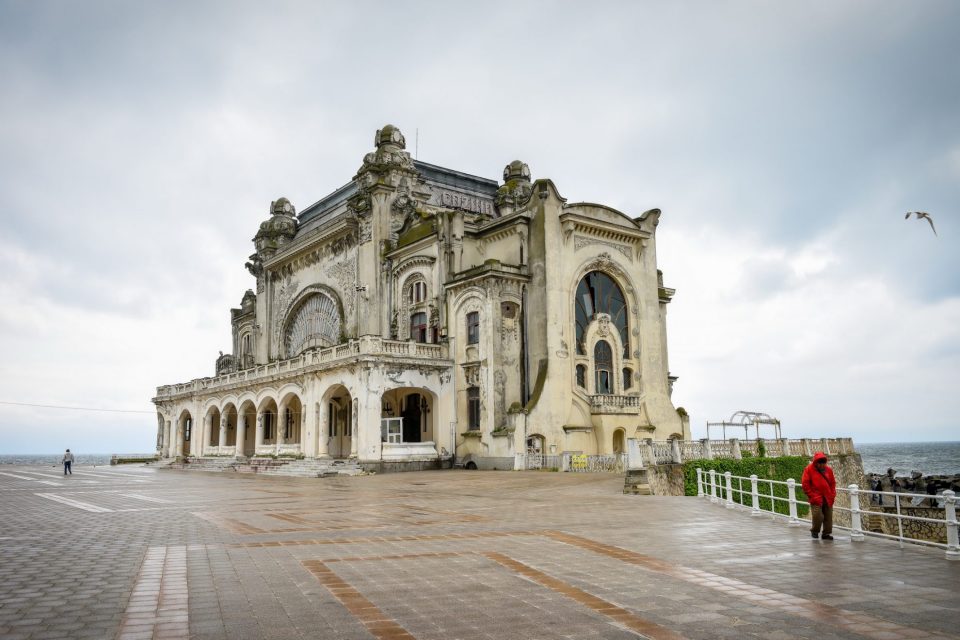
(315, 319)
(619, 443)
(417, 407)
(229, 412)
(211, 427)
(609, 266)
(247, 424)
(407, 307)
(470, 301)
(185, 433)
(335, 432)
(290, 416)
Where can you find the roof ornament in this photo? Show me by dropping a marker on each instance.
(516, 189)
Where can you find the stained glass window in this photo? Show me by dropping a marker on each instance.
(598, 293)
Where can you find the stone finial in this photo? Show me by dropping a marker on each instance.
(389, 135)
(278, 230)
(516, 188)
(282, 207)
(389, 157)
(516, 170)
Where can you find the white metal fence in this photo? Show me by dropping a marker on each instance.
(779, 498)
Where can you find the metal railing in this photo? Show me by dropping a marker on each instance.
(616, 463)
(779, 499)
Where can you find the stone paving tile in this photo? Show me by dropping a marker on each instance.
(159, 554)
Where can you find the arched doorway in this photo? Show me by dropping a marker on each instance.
(247, 429)
(211, 438)
(619, 442)
(290, 420)
(267, 424)
(407, 415)
(337, 419)
(230, 414)
(184, 434)
(536, 445)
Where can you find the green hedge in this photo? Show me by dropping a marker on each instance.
(764, 468)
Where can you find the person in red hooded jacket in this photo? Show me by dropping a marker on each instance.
(821, 489)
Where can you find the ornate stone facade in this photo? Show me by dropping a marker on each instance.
(419, 312)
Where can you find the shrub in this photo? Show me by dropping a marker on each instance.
(764, 468)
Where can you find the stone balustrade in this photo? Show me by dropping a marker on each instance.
(312, 360)
(656, 452)
(604, 403)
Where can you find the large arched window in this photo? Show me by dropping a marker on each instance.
(315, 323)
(598, 293)
(603, 366)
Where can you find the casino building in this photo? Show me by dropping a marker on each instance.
(419, 313)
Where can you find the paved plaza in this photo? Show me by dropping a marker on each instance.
(135, 552)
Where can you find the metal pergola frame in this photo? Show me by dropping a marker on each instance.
(744, 420)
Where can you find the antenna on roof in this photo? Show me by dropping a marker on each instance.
(416, 144)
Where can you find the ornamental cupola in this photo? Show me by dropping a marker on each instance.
(516, 187)
(273, 234)
(278, 230)
(389, 156)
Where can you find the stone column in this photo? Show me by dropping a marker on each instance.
(165, 447)
(258, 438)
(172, 442)
(223, 434)
(178, 440)
(205, 434)
(281, 426)
(354, 436)
(241, 434)
(735, 449)
(323, 431)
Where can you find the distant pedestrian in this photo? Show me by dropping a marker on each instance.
(821, 489)
(67, 461)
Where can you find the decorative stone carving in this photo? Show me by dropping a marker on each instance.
(343, 273)
(563, 351)
(603, 324)
(316, 323)
(278, 230)
(389, 155)
(283, 296)
(516, 189)
(499, 392)
(582, 241)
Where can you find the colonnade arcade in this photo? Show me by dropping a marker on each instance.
(272, 426)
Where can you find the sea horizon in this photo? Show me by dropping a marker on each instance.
(929, 457)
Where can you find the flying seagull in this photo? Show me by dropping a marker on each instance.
(922, 215)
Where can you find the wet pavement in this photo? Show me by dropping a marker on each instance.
(134, 552)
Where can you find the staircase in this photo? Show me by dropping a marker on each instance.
(636, 482)
(301, 468)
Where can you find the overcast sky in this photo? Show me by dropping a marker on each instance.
(141, 145)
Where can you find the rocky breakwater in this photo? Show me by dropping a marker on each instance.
(911, 506)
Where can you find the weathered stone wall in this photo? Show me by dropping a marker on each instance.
(931, 531)
(666, 480)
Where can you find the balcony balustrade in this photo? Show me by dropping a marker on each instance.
(614, 404)
(318, 360)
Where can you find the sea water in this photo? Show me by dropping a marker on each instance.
(88, 459)
(929, 458)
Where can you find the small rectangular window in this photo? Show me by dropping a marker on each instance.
(473, 327)
(627, 378)
(581, 376)
(418, 327)
(473, 405)
(603, 382)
